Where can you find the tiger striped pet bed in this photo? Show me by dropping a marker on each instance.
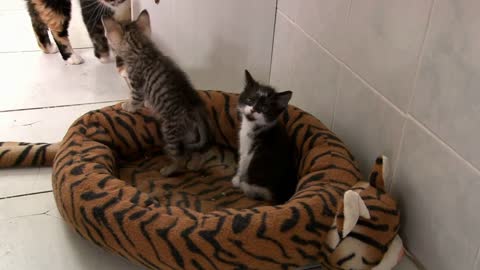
(108, 188)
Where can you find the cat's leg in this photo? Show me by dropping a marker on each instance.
(92, 13)
(58, 24)
(136, 100)
(173, 132)
(41, 31)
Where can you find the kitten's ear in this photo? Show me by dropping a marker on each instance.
(249, 80)
(283, 98)
(143, 23)
(113, 31)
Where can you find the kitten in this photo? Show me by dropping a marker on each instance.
(156, 80)
(266, 167)
(53, 15)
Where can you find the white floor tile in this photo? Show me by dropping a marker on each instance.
(33, 238)
(15, 182)
(34, 79)
(17, 32)
(42, 125)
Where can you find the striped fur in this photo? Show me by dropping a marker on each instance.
(107, 187)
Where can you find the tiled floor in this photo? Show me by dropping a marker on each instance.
(41, 97)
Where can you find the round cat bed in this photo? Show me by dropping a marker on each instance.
(107, 186)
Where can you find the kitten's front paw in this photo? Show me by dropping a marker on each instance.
(75, 59)
(236, 181)
(169, 170)
(105, 59)
(127, 106)
(50, 49)
(256, 192)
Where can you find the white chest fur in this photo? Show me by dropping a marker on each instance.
(246, 143)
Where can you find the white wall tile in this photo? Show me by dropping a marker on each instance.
(447, 96)
(283, 55)
(438, 196)
(215, 40)
(325, 21)
(383, 43)
(289, 7)
(302, 66)
(366, 123)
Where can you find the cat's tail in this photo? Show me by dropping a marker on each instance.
(205, 135)
(22, 154)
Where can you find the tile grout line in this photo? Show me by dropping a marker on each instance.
(339, 75)
(337, 96)
(412, 93)
(25, 195)
(60, 106)
(32, 51)
(476, 262)
(443, 143)
(420, 57)
(273, 42)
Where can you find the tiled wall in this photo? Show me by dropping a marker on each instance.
(401, 78)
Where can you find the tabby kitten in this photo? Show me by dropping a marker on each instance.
(156, 80)
(266, 167)
(54, 15)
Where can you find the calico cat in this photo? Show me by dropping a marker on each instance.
(266, 167)
(92, 13)
(156, 80)
(53, 15)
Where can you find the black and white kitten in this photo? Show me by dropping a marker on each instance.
(266, 167)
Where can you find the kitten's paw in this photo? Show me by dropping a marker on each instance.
(127, 106)
(105, 59)
(256, 192)
(123, 73)
(236, 181)
(169, 170)
(75, 59)
(50, 49)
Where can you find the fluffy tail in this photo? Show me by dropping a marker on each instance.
(21, 154)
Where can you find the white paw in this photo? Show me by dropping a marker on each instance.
(236, 181)
(105, 59)
(256, 192)
(127, 106)
(168, 170)
(75, 59)
(51, 49)
(123, 73)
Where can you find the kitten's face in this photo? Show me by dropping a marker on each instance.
(124, 38)
(261, 103)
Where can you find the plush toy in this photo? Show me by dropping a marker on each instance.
(108, 188)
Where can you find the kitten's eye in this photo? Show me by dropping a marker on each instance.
(249, 100)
